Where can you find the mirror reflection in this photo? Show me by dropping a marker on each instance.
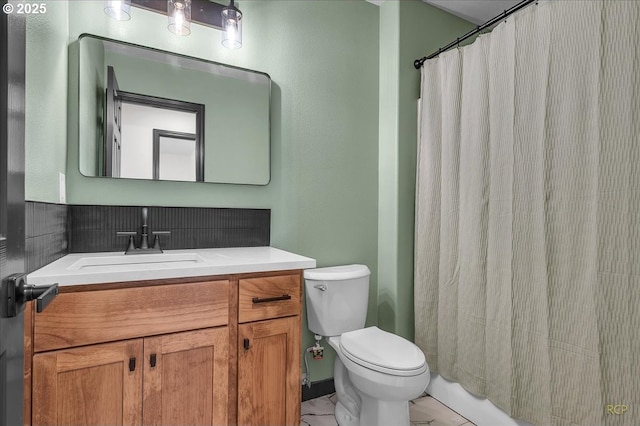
(136, 125)
(148, 114)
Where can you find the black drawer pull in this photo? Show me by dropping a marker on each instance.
(271, 299)
(152, 360)
(132, 364)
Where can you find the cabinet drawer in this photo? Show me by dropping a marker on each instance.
(88, 317)
(268, 297)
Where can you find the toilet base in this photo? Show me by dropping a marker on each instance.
(384, 413)
(375, 413)
(343, 417)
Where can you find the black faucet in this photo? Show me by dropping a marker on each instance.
(144, 240)
(143, 248)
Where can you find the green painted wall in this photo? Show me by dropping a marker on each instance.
(409, 29)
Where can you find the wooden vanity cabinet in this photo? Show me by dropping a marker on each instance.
(185, 379)
(269, 340)
(162, 353)
(173, 379)
(144, 355)
(90, 385)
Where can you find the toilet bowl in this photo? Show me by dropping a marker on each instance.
(384, 389)
(376, 373)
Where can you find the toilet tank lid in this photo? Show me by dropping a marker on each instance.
(335, 273)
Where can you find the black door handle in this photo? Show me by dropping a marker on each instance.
(17, 293)
(43, 295)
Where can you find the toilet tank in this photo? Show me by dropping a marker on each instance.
(337, 298)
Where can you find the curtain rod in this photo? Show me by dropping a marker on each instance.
(418, 62)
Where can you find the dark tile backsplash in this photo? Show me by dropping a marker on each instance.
(53, 230)
(93, 228)
(45, 233)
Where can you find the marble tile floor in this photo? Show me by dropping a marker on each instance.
(423, 411)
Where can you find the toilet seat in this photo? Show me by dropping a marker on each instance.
(383, 352)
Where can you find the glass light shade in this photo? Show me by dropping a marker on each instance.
(179, 13)
(120, 10)
(231, 27)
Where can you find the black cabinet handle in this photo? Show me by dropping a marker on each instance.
(152, 360)
(271, 299)
(246, 344)
(132, 364)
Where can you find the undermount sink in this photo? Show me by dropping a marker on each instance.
(119, 259)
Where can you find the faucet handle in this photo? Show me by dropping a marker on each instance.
(130, 234)
(156, 240)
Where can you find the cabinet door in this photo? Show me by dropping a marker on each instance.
(186, 378)
(92, 385)
(269, 372)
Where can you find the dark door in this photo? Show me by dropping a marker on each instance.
(113, 143)
(12, 60)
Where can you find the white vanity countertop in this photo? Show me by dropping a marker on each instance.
(94, 268)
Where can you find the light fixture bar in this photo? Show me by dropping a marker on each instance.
(203, 12)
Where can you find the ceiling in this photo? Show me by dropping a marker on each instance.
(476, 11)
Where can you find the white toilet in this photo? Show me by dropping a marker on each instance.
(376, 373)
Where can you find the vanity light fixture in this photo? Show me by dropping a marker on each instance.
(232, 27)
(228, 19)
(118, 9)
(179, 13)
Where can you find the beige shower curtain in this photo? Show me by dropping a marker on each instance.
(527, 256)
